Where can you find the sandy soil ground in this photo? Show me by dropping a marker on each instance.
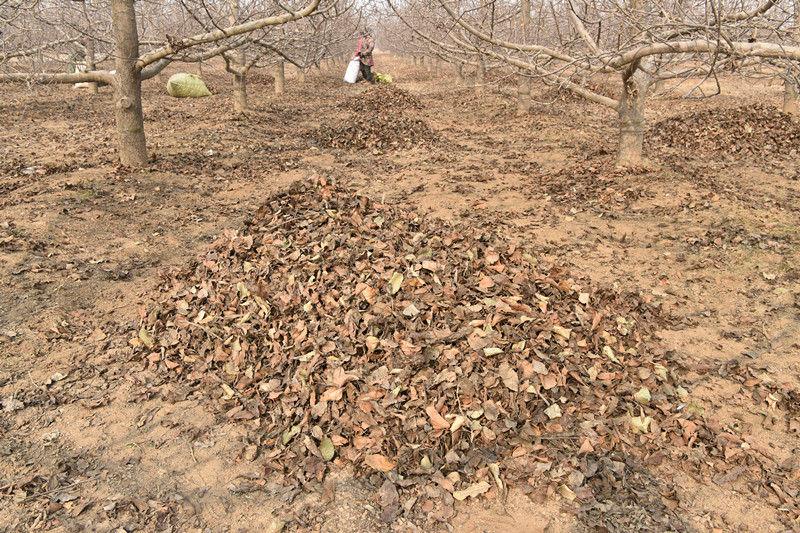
(94, 439)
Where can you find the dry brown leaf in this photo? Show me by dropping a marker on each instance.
(486, 283)
(379, 462)
(332, 394)
(549, 381)
(509, 376)
(437, 420)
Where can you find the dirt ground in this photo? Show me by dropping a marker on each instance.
(94, 440)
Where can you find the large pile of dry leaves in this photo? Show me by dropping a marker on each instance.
(440, 361)
(754, 129)
(382, 117)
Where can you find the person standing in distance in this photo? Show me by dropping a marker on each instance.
(365, 47)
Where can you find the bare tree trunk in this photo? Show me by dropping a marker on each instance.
(200, 68)
(437, 69)
(128, 94)
(280, 77)
(524, 89)
(790, 97)
(791, 82)
(460, 71)
(791, 92)
(415, 60)
(631, 117)
(237, 65)
(657, 87)
(482, 74)
(90, 65)
(240, 93)
(524, 94)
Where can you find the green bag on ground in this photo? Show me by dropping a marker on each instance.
(381, 78)
(187, 86)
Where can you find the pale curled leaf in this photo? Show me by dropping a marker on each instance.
(458, 422)
(396, 281)
(640, 424)
(562, 332)
(411, 311)
(473, 490)
(566, 492)
(229, 392)
(642, 396)
(372, 343)
(553, 412)
(276, 526)
(326, 449)
(494, 468)
(145, 337)
(286, 437)
(244, 292)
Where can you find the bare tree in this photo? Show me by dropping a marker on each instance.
(641, 41)
(131, 66)
(791, 79)
(303, 43)
(524, 90)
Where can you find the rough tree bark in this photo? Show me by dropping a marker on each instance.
(482, 74)
(524, 89)
(635, 83)
(791, 81)
(235, 64)
(240, 92)
(90, 64)
(128, 94)
(791, 91)
(280, 77)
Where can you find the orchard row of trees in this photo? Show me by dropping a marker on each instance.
(648, 45)
(44, 40)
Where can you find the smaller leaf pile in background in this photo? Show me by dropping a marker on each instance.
(382, 118)
(755, 130)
